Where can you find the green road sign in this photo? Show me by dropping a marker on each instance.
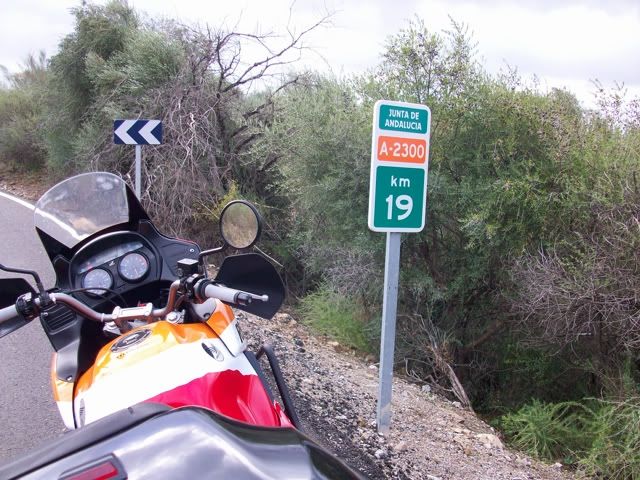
(399, 162)
(399, 197)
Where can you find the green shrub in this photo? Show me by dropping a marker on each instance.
(614, 429)
(546, 430)
(332, 314)
(601, 437)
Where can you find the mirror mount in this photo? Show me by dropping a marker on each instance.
(33, 273)
(211, 251)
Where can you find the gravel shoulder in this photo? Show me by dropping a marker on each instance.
(431, 438)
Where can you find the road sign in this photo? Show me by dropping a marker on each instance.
(399, 163)
(397, 203)
(137, 132)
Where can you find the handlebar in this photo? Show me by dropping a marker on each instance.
(203, 288)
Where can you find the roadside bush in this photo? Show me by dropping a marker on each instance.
(546, 430)
(336, 316)
(601, 438)
(614, 432)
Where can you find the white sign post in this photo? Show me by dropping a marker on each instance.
(397, 203)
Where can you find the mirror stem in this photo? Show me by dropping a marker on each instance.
(211, 251)
(34, 274)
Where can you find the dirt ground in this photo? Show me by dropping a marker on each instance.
(29, 186)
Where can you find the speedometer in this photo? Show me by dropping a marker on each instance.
(133, 267)
(97, 280)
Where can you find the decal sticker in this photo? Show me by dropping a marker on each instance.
(130, 340)
(82, 413)
(240, 333)
(210, 348)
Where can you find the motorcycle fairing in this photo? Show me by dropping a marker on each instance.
(176, 365)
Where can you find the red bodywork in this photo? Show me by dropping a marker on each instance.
(230, 393)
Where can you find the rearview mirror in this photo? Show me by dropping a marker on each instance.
(240, 224)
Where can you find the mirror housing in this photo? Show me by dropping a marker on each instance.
(240, 228)
(240, 224)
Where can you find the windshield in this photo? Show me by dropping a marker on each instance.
(81, 206)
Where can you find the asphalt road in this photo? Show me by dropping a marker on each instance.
(28, 414)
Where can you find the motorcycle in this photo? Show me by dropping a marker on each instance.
(151, 374)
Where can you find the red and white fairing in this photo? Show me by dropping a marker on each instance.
(201, 364)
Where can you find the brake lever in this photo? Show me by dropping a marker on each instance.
(245, 298)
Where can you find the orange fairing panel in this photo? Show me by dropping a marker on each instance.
(221, 318)
(141, 344)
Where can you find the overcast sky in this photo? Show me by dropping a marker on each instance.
(566, 43)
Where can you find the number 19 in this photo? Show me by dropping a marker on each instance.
(403, 203)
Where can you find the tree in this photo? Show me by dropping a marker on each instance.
(197, 81)
(22, 114)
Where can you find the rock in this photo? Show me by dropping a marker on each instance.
(381, 453)
(341, 417)
(373, 367)
(401, 446)
(298, 342)
(283, 317)
(334, 344)
(524, 461)
(433, 477)
(557, 465)
(426, 389)
(456, 404)
(456, 418)
(490, 440)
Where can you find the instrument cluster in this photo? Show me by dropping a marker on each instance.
(117, 266)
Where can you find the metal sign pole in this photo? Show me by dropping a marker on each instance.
(387, 342)
(138, 169)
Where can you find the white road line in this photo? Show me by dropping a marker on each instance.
(17, 200)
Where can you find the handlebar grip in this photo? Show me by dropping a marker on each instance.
(8, 313)
(231, 295)
(228, 295)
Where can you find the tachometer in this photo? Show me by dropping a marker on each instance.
(97, 280)
(133, 267)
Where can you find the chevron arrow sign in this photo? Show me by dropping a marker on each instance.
(137, 132)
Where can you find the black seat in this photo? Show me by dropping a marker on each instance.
(75, 440)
